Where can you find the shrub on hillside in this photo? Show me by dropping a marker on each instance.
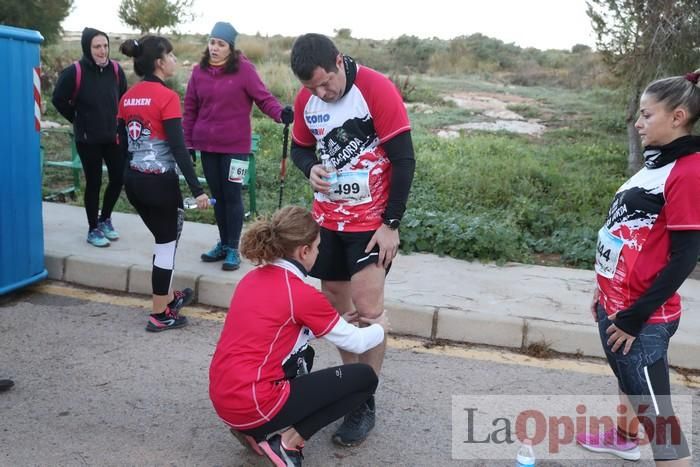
(411, 54)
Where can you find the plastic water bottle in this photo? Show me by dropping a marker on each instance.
(526, 455)
(191, 203)
(332, 177)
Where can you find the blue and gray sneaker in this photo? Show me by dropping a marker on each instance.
(356, 425)
(215, 254)
(108, 229)
(95, 237)
(232, 261)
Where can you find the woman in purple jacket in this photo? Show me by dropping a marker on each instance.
(218, 104)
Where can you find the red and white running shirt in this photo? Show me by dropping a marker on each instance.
(634, 244)
(351, 131)
(143, 108)
(273, 314)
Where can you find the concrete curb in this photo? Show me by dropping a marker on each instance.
(461, 326)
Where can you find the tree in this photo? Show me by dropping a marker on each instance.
(580, 49)
(642, 40)
(154, 15)
(343, 33)
(44, 16)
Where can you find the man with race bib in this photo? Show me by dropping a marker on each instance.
(355, 119)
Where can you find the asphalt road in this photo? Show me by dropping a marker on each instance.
(93, 388)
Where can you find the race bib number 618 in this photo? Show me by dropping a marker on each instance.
(237, 171)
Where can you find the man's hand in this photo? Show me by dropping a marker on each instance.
(382, 320)
(352, 317)
(388, 241)
(318, 182)
(618, 337)
(287, 115)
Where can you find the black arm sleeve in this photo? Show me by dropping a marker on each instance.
(122, 82)
(123, 141)
(62, 93)
(304, 158)
(403, 165)
(123, 144)
(176, 140)
(685, 247)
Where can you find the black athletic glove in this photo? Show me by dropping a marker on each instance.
(287, 116)
(193, 154)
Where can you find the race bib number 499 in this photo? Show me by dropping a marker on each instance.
(607, 253)
(351, 187)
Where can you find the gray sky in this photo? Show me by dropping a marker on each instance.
(543, 24)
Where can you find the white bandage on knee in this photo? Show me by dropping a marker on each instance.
(164, 255)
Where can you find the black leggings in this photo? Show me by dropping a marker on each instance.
(229, 200)
(157, 199)
(319, 398)
(91, 157)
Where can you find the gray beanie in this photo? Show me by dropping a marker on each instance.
(225, 32)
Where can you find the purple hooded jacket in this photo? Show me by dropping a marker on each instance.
(218, 107)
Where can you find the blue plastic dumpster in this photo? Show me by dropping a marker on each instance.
(21, 227)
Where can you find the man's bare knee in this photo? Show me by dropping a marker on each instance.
(367, 288)
(371, 313)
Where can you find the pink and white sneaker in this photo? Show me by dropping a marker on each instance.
(610, 442)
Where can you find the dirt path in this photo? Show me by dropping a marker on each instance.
(493, 114)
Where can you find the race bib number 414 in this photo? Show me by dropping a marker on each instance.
(607, 253)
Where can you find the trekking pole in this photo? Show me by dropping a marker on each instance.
(283, 164)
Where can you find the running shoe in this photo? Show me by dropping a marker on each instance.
(279, 455)
(232, 261)
(6, 384)
(96, 238)
(610, 442)
(356, 425)
(165, 321)
(171, 318)
(215, 254)
(181, 298)
(107, 229)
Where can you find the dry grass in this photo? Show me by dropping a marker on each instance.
(541, 349)
(280, 80)
(255, 48)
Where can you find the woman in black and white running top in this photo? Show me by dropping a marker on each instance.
(150, 129)
(646, 249)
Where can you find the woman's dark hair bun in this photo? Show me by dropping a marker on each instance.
(131, 48)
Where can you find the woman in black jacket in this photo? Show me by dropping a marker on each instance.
(87, 94)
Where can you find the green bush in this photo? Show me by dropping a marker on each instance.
(462, 236)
